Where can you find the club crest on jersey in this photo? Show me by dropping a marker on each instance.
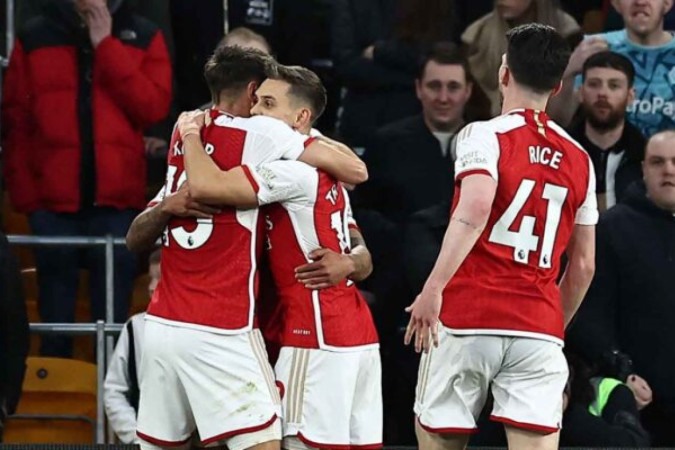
(332, 195)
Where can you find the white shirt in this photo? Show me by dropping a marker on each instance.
(121, 415)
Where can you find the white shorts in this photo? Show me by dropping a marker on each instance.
(222, 385)
(527, 377)
(331, 399)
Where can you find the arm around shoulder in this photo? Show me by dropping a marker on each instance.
(337, 159)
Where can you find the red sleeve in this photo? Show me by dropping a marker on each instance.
(16, 133)
(141, 87)
(251, 178)
(309, 141)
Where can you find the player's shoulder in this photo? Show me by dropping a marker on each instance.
(489, 128)
(568, 142)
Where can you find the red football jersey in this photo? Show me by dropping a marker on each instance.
(312, 212)
(209, 266)
(545, 185)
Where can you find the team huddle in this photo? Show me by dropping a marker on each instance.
(261, 192)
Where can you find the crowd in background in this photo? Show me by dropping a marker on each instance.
(93, 89)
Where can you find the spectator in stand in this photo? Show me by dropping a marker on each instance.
(486, 38)
(14, 339)
(649, 47)
(120, 389)
(629, 306)
(419, 150)
(376, 48)
(614, 21)
(82, 85)
(600, 411)
(615, 145)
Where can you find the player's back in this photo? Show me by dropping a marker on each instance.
(313, 214)
(508, 281)
(209, 266)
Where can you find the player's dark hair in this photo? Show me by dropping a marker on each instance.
(610, 60)
(537, 56)
(231, 68)
(305, 86)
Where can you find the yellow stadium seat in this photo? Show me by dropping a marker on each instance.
(55, 388)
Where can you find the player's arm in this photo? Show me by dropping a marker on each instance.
(360, 256)
(337, 159)
(148, 226)
(209, 184)
(580, 252)
(466, 225)
(476, 168)
(329, 268)
(580, 269)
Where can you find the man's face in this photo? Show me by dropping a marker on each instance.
(658, 170)
(643, 17)
(605, 94)
(154, 272)
(443, 92)
(512, 9)
(273, 101)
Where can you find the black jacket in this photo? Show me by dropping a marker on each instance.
(632, 143)
(14, 338)
(407, 170)
(631, 302)
(381, 90)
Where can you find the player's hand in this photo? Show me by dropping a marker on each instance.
(327, 269)
(182, 205)
(641, 390)
(98, 19)
(423, 325)
(191, 122)
(585, 49)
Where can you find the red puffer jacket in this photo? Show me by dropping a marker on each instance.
(73, 116)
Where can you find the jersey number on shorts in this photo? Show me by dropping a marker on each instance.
(524, 240)
(186, 239)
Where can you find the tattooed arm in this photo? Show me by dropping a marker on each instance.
(148, 226)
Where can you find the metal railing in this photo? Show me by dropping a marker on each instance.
(100, 329)
(104, 330)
